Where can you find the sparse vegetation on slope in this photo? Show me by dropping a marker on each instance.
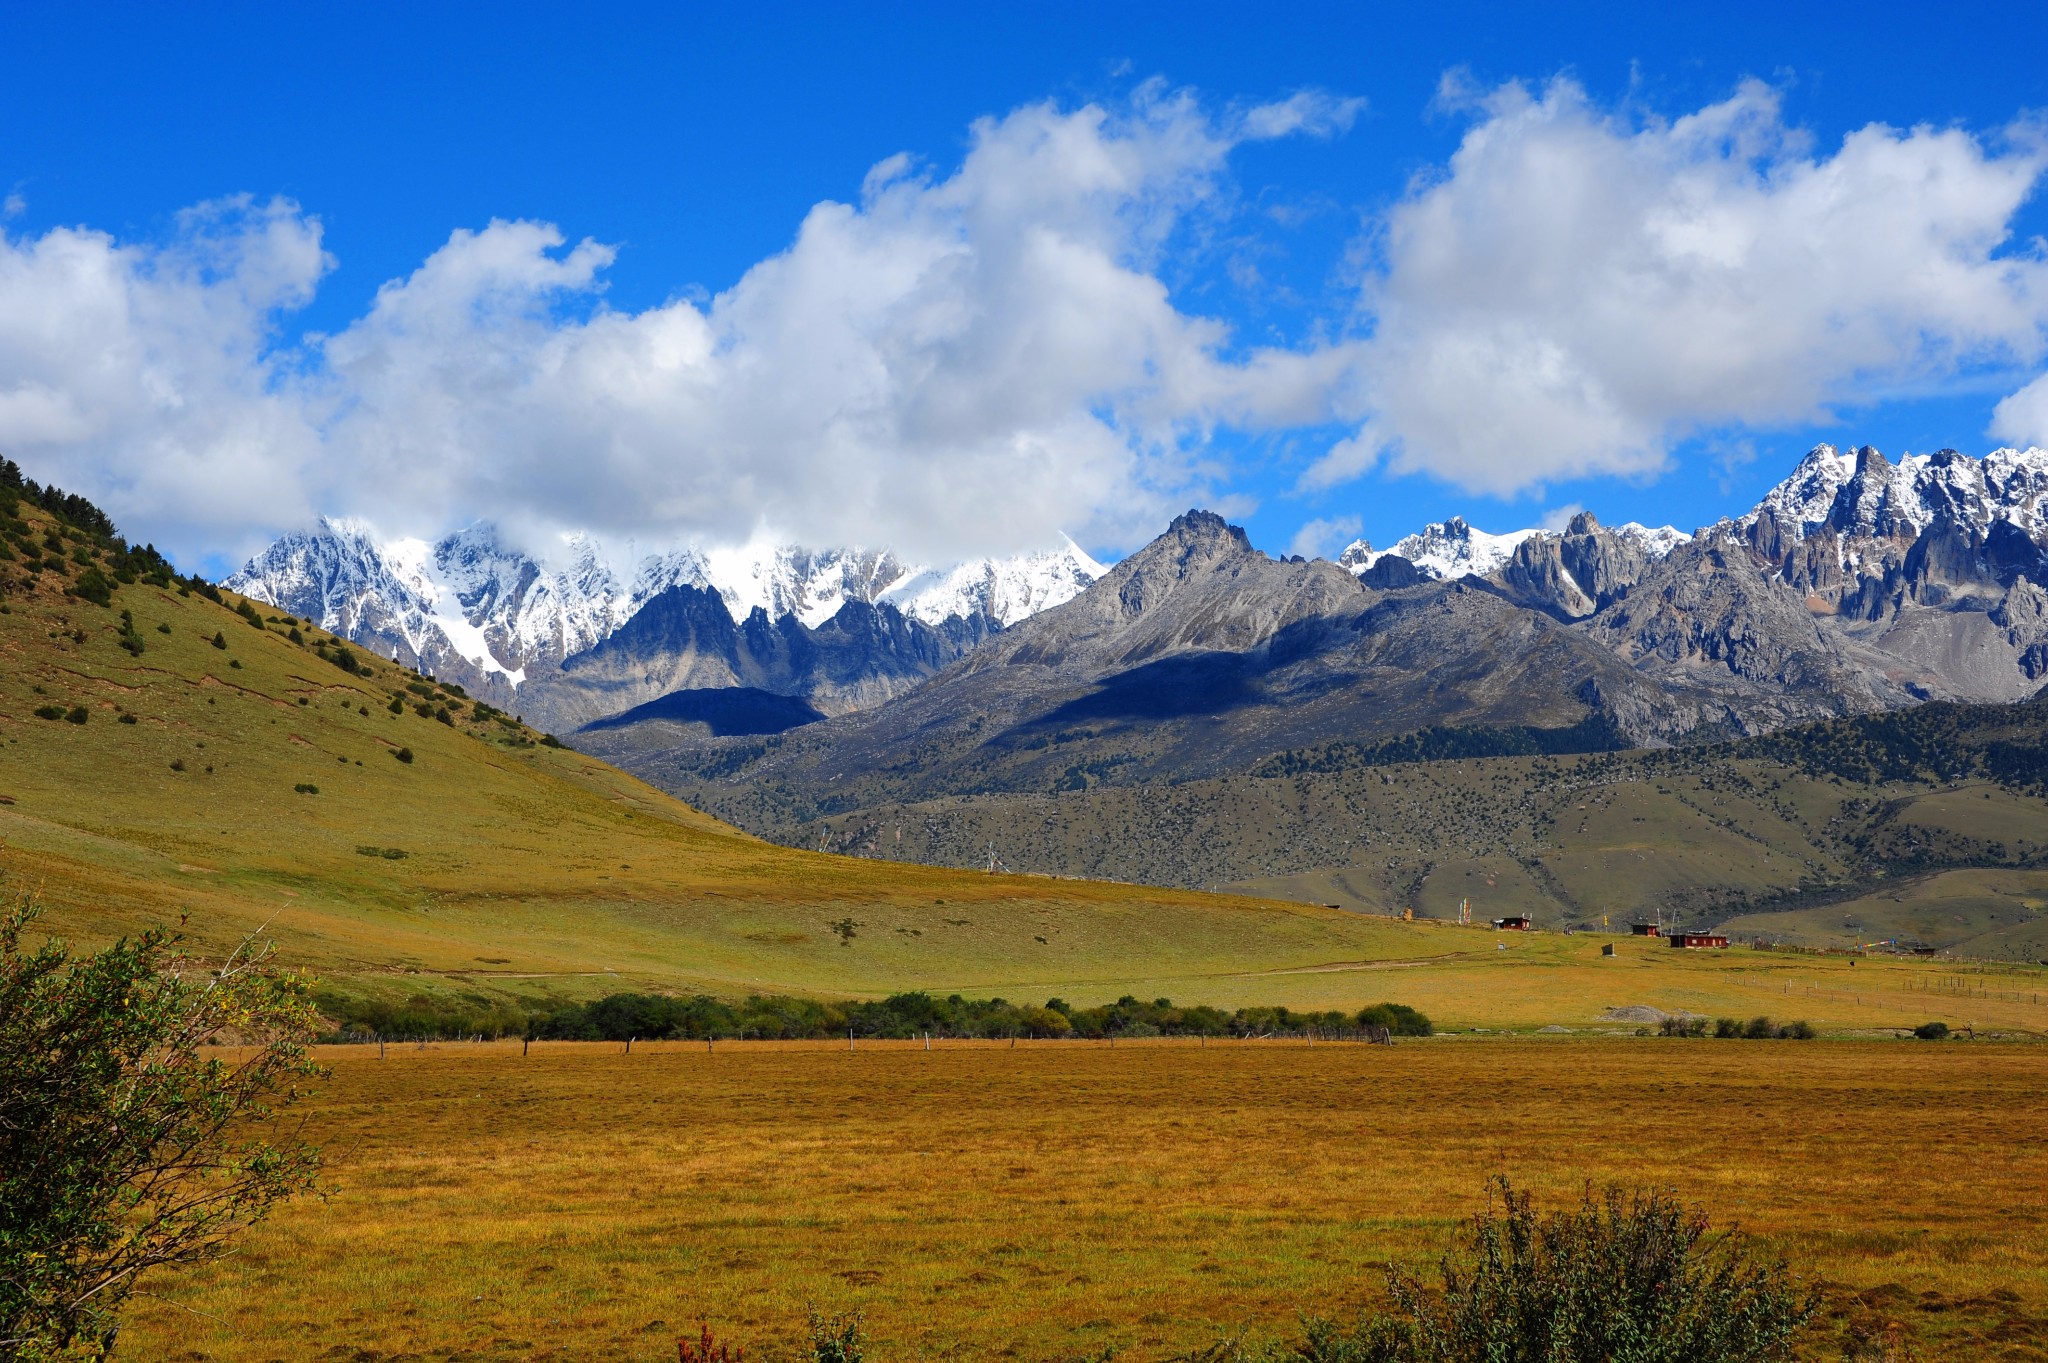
(1845, 818)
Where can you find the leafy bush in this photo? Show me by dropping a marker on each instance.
(550, 741)
(1926, 1031)
(1760, 1029)
(306, 788)
(125, 1143)
(1727, 1027)
(77, 714)
(1397, 1018)
(1797, 1031)
(404, 755)
(1623, 1278)
(92, 585)
(129, 719)
(220, 640)
(837, 1339)
(424, 1017)
(49, 712)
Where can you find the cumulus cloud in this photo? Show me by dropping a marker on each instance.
(957, 361)
(149, 375)
(976, 357)
(1578, 289)
(1318, 537)
(2022, 418)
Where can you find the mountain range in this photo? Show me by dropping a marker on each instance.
(1856, 584)
(570, 637)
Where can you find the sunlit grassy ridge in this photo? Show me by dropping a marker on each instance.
(260, 783)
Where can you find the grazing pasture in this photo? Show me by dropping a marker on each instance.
(1060, 1199)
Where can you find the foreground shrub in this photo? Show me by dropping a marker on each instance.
(1623, 1278)
(1932, 1031)
(126, 1144)
(837, 1339)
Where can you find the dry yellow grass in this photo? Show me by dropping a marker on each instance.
(1055, 1199)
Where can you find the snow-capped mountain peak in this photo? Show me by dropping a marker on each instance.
(812, 585)
(1860, 494)
(1005, 591)
(472, 596)
(1443, 550)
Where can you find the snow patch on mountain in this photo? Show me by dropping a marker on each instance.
(503, 610)
(1656, 541)
(1443, 550)
(1004, 590)
(812, 585)
(1860, 494)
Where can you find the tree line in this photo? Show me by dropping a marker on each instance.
(776, 1017)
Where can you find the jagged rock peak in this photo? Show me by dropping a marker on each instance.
(1861, 494)
(1196, 525)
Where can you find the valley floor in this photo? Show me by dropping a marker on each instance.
(1060, 1199)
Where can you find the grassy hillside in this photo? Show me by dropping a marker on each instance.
(204, 764)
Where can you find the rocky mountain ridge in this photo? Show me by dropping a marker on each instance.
(529, 632)
(1199, 657)
(1855, 584)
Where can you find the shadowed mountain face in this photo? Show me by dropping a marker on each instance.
(725, 711)
(684, 640)
(1197, 656)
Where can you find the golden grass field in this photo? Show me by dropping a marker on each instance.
(1060, 1198)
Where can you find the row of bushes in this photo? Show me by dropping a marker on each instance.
(1756, 1029)
(699, 1017)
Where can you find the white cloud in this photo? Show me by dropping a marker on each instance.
(976, 358)
(1316, 538)
(2022, 418)
(1578, 290)
(973, 360)
(146, 376)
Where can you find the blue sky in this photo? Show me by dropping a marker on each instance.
(1254, 267)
